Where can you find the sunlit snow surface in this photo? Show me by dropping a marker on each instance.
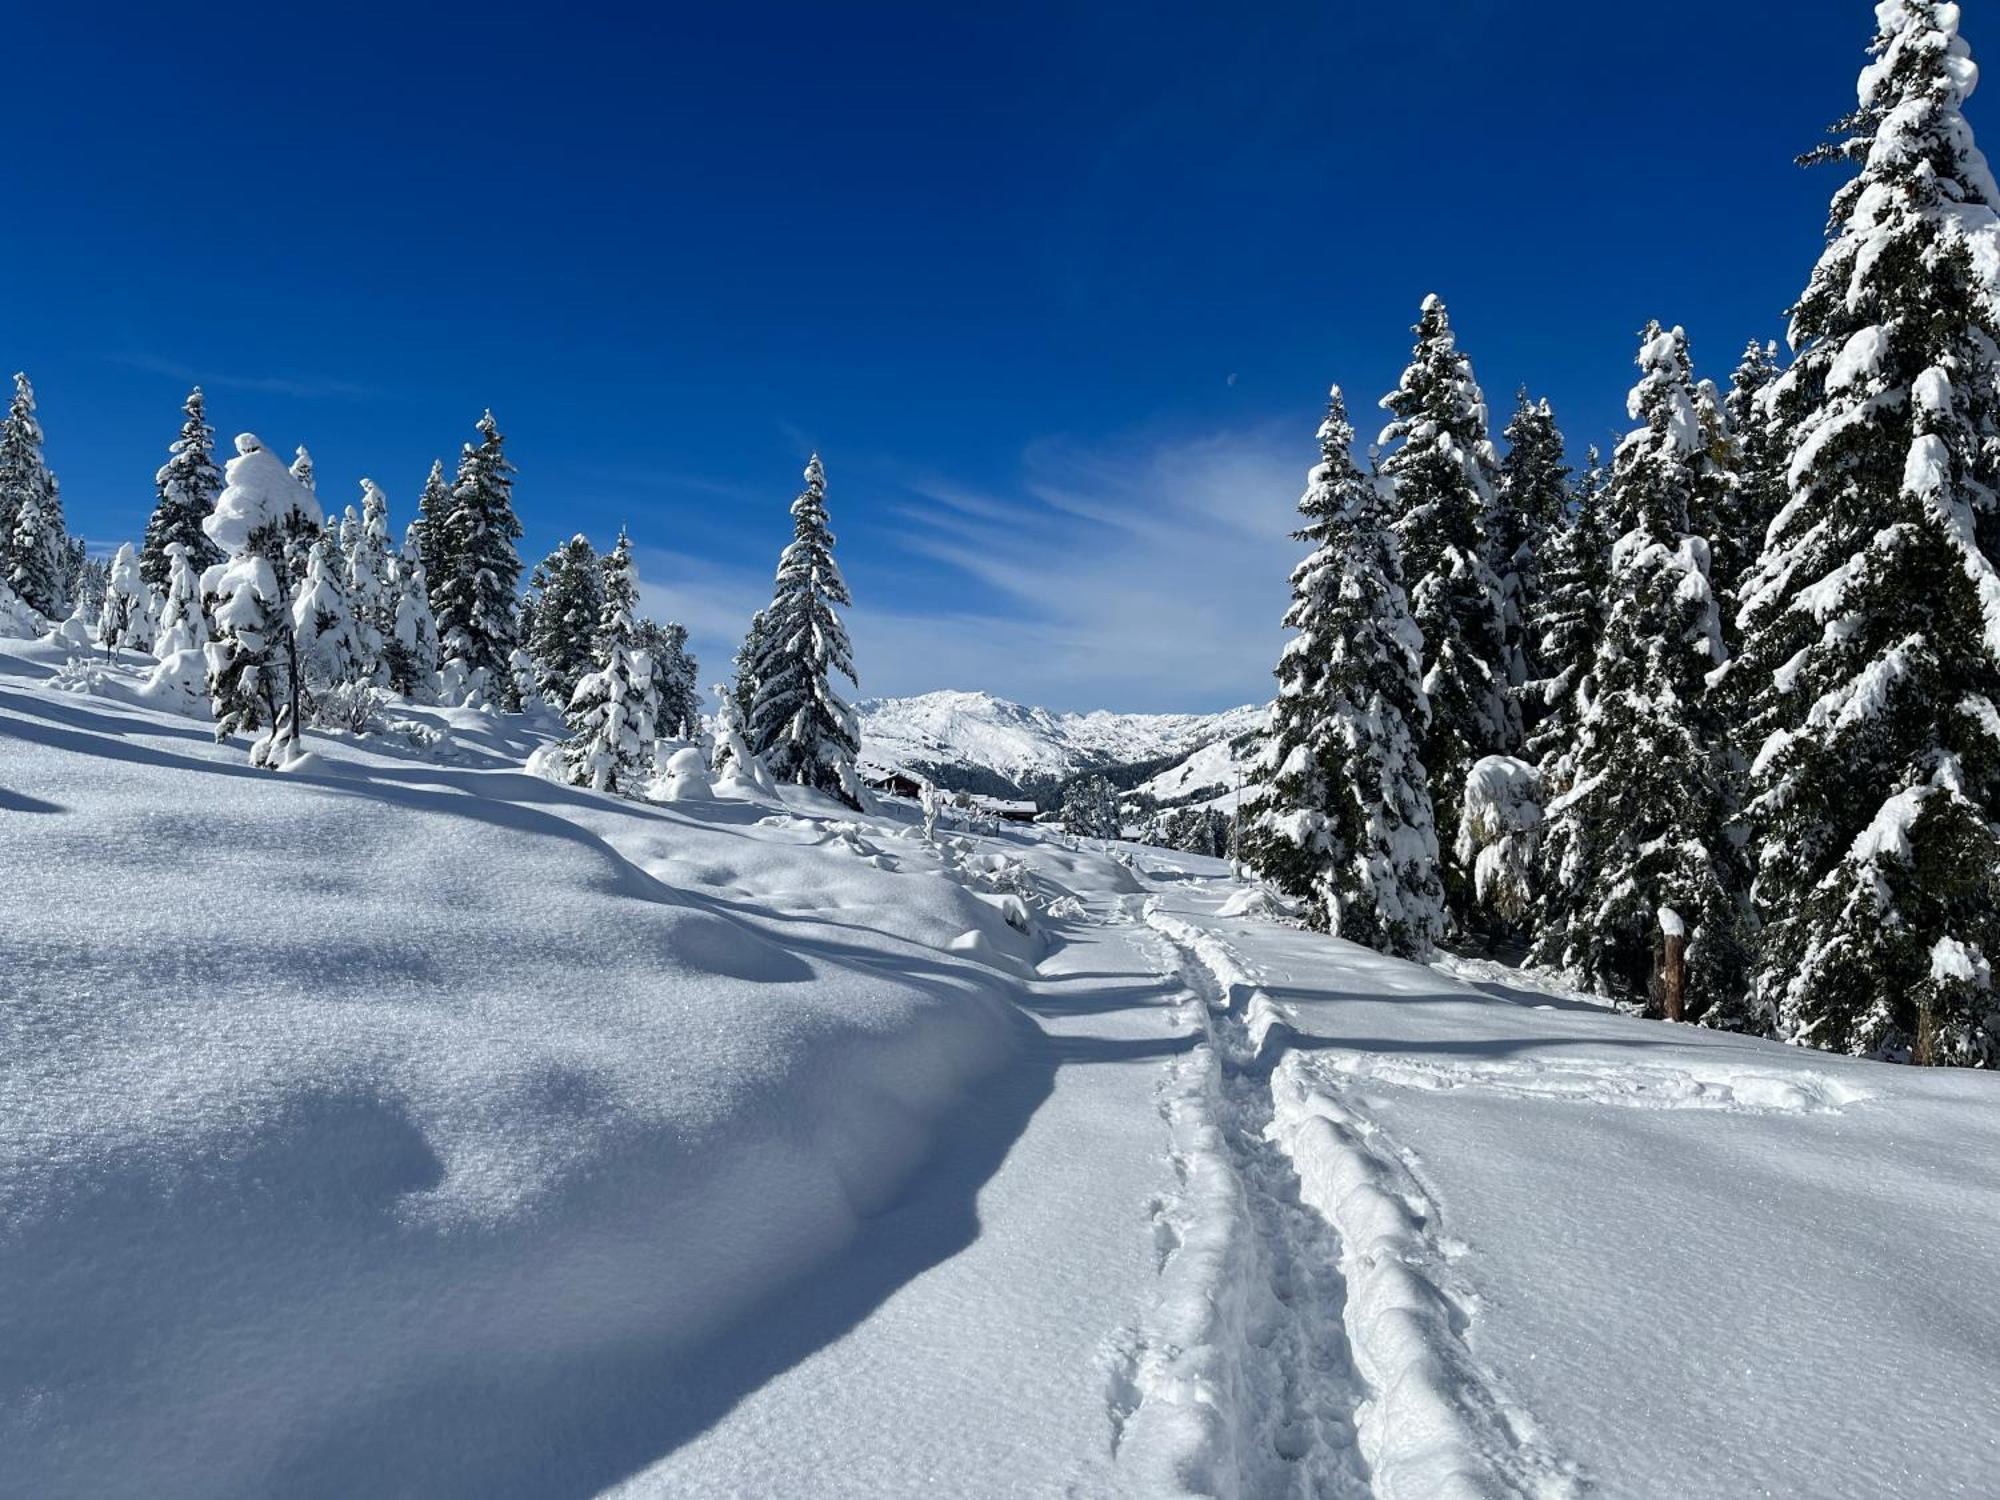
(411, 1125)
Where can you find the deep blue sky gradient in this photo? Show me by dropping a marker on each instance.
(1029, 276)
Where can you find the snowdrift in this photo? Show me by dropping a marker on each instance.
(358, 1125)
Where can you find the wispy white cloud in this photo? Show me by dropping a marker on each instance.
(1145, 577)
(303, 388)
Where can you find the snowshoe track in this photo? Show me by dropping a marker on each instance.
(1313, 1344)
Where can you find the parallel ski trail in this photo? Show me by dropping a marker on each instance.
(1353, 1379)
(1276, 1390)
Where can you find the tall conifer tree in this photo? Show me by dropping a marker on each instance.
(474, 600)
(799, 724)
(1528, 506)
(1343, 821)
(34, 545)
(1644, 825)
(1443, 472)
(186, 485)
(1873, 618)
(567, 614)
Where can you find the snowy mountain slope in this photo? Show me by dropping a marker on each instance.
(1026, 746)
(415, 1126)
(1208, 777)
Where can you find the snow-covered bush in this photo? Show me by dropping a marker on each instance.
(17, 621)
(353, 707)
(683, 778)
(1500, 832)
(264, 521)
(125, 619)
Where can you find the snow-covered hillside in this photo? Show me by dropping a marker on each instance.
(1028, 746)
(405, 1124)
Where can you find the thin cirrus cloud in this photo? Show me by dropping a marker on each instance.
(303, 388)
(1147, 579)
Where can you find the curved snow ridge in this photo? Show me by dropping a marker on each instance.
(1632, 1085)
(1437, 1426)
(1176, 1382)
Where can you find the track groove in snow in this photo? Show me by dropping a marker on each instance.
(1352, 1373)
(1241, 1383)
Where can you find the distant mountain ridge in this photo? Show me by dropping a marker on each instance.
(977, 742)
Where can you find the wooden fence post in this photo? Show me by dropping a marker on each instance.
(1673, 962)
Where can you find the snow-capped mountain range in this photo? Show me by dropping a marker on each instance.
(966, 737)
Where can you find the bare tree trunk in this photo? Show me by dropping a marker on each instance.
(1923, 1052)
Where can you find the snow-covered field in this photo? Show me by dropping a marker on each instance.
(411, 1125)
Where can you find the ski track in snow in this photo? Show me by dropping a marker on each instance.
(1309, 1337)
(1240, 1383)
(1633, 1085)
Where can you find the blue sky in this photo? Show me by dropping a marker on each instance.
(1055, 289)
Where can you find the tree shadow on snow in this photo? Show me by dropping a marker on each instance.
(580, 1421)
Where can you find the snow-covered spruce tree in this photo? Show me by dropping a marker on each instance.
(743, 667)
(1569, 621)
(1716, 511)
(186, 486)
(618, 598)
(1644, 821)
(262, 520)
(1872, 623)
(1759, 454)
(1528, 504)
(570, 583)
(180, 680)
(1192, 830)
(87, 588)
(676, 677)
(732, 751)
(34, 546)
(1342, 821)
(329, 652)
(302, 470)
(474, 601)
(369, 589)
(22, 470)
(410, 650)
(433, 509)
(125, 619)
(612, 715)
(1442, 473)
(801, 727)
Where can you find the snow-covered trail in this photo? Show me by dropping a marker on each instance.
(1363, 1386)
(411, 1125)
(1241, 1377)
(1585, 1254)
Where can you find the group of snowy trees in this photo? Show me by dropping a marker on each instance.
(40, 564)
(251, 596)
(1743, 685)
